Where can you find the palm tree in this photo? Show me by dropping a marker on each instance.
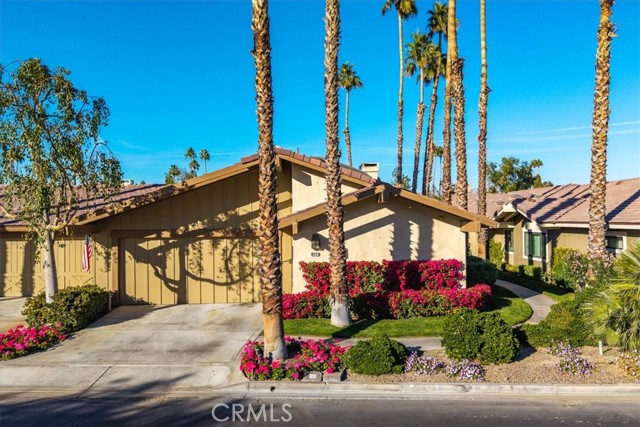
(483, 235)
(204, 156)
(270, 261)
(618, 306)
(438, 152)
(437, 65)
(348, 79)
(338, 295)
(437, 24)
(417, 60)
(457, 93)
(172, 175)
(406, 9)
(190, 155)
(597, 209)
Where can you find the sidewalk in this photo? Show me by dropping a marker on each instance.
(540, 304)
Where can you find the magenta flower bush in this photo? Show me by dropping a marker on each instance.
(304, 356)
(21, 341)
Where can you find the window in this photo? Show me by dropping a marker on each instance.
(508, 241)
(534, 245)
(615, 243)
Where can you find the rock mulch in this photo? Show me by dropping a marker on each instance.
(531, 367)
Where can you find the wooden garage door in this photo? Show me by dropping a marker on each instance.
(22, 275)
(190, 270)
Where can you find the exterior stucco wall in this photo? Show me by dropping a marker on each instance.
(308, 187)
(399, 229)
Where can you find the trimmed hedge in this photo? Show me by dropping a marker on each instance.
(563, 324)
(75, 308)
(480, 271)
(378, 356)
(484, 336)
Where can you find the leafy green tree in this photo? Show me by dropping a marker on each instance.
(513, 175)
(51, 154)
(405, 183)
(205, 157)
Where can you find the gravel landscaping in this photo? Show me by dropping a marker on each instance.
(531, 366)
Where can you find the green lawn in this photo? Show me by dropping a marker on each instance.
(512, 309)
(555, 292)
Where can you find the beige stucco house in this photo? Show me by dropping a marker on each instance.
(532, 223)
(197, 242)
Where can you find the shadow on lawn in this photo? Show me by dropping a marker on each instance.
(354, 328)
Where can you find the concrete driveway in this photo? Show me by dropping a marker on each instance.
(11, 312)
(144, 349)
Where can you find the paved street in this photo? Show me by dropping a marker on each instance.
(109, 409)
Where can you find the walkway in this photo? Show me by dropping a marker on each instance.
(541, 304)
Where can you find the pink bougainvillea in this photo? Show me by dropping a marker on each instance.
(304, 356)
(21, 341)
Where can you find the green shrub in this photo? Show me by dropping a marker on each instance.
(564, 323)
(569, 269)
(532, 271)
(74, 307)
(560, 269)
(461, 337)
(511, 268)
(480, 271)
(377, 356)
(496, 252)
(484, 336)
(499, 343)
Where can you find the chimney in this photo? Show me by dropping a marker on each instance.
(370, 169)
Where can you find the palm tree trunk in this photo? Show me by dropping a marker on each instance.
(459, 133)
(419, 123)
(429, 145)
(50, 268)
(338, 294)
(347, 135)
(597, 207)
(270, 262)
(400, 102)
(482, 136)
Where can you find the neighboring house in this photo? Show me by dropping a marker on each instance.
(197, 242)
(532, 223)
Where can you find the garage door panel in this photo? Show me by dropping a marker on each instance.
(189, 270)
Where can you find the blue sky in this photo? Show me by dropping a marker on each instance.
(179, 74)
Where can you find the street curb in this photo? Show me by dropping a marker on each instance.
(292, 390)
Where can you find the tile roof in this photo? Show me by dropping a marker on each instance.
(127, 192)
(569, 203)
(319, 162)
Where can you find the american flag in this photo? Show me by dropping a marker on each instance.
(86, 254)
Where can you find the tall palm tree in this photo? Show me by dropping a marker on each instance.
(437, 153)
(405, 9)
(270, 261)
(190, 155)
(205, 157)
(338, 294)
(597, 208)
(457, 93)
(417, 61)
(437, 65)
(437, 24)
(483, 235)
(348, 80)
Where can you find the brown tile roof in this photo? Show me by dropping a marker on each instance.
(317, 161)
(132, 196)
(569, 203)
(91, 204)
